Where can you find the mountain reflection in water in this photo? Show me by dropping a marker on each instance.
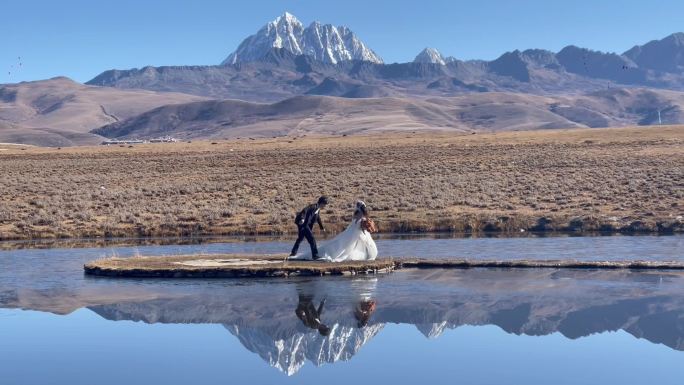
(262, 314)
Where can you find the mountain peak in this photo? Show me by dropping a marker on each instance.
(676, 38)
(286, 21)
(324, 42)
(665, 55)
(429, 55)
(287, 17)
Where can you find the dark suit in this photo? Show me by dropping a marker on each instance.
(305, 221)
(308, 313)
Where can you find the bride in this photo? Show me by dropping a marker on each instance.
(353, 244)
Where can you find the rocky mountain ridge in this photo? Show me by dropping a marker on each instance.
(282, 61)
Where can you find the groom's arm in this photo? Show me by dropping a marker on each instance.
(320, 307)
(320, 223)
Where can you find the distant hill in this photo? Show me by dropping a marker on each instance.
(48, 137)
(61, 112)
(471, 112)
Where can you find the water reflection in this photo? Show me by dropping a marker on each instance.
(291, 322)
(282, 341)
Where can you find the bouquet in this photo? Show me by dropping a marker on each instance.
(369, 225)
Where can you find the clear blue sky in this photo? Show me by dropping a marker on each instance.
(81, 38)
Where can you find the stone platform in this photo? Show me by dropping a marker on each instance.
(230, 266)
(256, 266)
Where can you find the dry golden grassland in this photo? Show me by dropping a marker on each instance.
(627, 179)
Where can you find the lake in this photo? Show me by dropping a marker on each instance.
(476, 326)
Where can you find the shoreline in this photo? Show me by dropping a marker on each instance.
(102, 242)
(575, 227)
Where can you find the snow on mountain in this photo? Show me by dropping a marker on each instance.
(283, 32)
(324, 42)
(430, 55)
(289, 354)
(432, 330)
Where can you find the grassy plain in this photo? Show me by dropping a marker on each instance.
(618, 179)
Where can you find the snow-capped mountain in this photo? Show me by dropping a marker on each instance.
(324, 42)
(289, 353)
(433, 56)
(430, 55)
(433, 330)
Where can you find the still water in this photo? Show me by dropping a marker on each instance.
(477, 326)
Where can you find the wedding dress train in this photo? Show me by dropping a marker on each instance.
(353, 244)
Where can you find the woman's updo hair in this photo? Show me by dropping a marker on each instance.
(361, 207)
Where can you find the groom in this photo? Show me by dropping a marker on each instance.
(305, 221)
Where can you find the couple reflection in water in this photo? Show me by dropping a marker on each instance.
(310, 305)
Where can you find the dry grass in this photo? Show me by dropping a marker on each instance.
(580, 180)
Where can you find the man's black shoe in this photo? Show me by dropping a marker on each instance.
(315, 257)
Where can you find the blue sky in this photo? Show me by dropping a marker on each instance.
(81, 38)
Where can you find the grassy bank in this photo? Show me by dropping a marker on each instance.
(623, 180)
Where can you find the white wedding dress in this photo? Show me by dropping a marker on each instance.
(353, 244)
